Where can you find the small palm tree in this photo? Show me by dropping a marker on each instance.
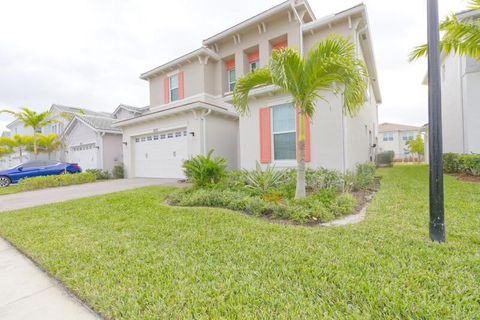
(6, 146)
(461, 37)
(20, 143)
(34, 120)
(332, 66)
(49, 143)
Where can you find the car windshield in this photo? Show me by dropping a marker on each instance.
(36, 163)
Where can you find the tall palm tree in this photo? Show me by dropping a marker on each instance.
(49, 143)
(332, 66)
(460, 37)
(34, 120)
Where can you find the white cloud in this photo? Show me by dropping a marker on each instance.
(90, 53)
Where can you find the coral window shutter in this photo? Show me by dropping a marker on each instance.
(254, 56)
(230, 64)
(307, 136)
(265, 136)
(181, 85)
(166, 89)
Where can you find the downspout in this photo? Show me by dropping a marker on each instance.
(344, 134)
(203, 117)
(100, 149)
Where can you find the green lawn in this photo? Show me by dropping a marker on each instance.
(10, 189)
(130, 257)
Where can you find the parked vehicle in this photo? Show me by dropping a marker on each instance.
(36, 168)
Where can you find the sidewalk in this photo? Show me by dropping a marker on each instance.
(26, 292)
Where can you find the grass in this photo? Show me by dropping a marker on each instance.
(10, 190)
(131, 257)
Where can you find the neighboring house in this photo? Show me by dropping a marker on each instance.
(461, 100)
(394, 137)
(16, 127)
(190, 101)
(92, 142)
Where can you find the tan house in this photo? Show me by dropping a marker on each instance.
(190, 101)
(395, 137)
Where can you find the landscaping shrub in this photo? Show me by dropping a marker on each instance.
(365, 176)
(385, 159)
(261, 181)
(205, 171)
(101, 175)
(323, 179)
(458, 163)
(118, 171)
(344, 204)
(56, 181)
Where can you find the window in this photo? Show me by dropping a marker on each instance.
(408, 136)
(155, 137)
(232, 79)
(178, 134)
(149, 138)
(143, 139)
(174, 91)
(170, 135)
(284, 132)
(388, 136)
(253, 66)
(162, 136)
(137, 139)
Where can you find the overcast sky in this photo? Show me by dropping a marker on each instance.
(89, 53)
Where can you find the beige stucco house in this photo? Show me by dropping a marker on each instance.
(190, 101)
(395, 137)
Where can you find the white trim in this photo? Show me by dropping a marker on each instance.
(160, 130)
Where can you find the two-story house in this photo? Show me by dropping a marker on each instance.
(395, 137)
(461, 100)
(190, 101)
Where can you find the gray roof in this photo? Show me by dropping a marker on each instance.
(133, 109)
(389, 127)
(80, 111)
(99, 123)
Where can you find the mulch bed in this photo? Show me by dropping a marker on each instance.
(466, 177)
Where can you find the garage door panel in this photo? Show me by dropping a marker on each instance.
(85, 155)
(160, 155)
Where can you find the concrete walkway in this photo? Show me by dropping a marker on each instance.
(36, 198)
(26, 292)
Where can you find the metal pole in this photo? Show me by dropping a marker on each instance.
(437, 210)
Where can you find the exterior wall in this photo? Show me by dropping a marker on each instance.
(112, 151)
(398, 145)
(471, 101)
(222, 136)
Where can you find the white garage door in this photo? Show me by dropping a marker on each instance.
(160, 155)
(85, 155)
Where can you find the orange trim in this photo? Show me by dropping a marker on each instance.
(265, 136)
(230, 64)
(254, 56)
(166, 90)
(181, 85)
(280, 45)
(307, 136)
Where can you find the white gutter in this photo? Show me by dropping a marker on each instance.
(203, 117)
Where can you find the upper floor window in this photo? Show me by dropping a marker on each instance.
(280, 45)
(253, 61)
(408, 136)
(388, 136)
(231, 75)
(284, 132)
(174, 88)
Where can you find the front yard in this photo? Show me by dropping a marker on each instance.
(129, 256)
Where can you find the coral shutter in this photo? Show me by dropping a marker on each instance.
(181, 86)
(307, 136)
(265, 136)
(166, 89)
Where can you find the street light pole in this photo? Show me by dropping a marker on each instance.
(437, 210)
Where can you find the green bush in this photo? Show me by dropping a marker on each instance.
(118, 171)
(470, 164)
(343, 205)
(323, 179)
(365, 176)
(205, 171)
(262, 181)
(451, 163)
(385, 159)
(101, 175)
(56, 181)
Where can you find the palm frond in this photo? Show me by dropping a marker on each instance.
(244, 85)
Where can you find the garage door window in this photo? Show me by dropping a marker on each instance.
(149, 138)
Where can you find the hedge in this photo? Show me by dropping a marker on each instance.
(56, 181)
(462, 163)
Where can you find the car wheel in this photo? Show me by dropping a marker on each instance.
(4, 181)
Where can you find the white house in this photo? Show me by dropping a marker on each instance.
(394, 137)
(190, 101)
(461, 100)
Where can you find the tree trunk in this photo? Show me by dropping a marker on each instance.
(300, 191)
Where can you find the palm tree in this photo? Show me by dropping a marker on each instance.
(35, 120)
(6, 146)
(49, 143)
(21, 143)
(332, 66)
(460, 37)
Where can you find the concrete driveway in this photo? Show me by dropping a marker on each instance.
(30, 199)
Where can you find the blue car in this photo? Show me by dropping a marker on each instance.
(36, 168)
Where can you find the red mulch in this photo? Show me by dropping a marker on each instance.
(466, 177)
